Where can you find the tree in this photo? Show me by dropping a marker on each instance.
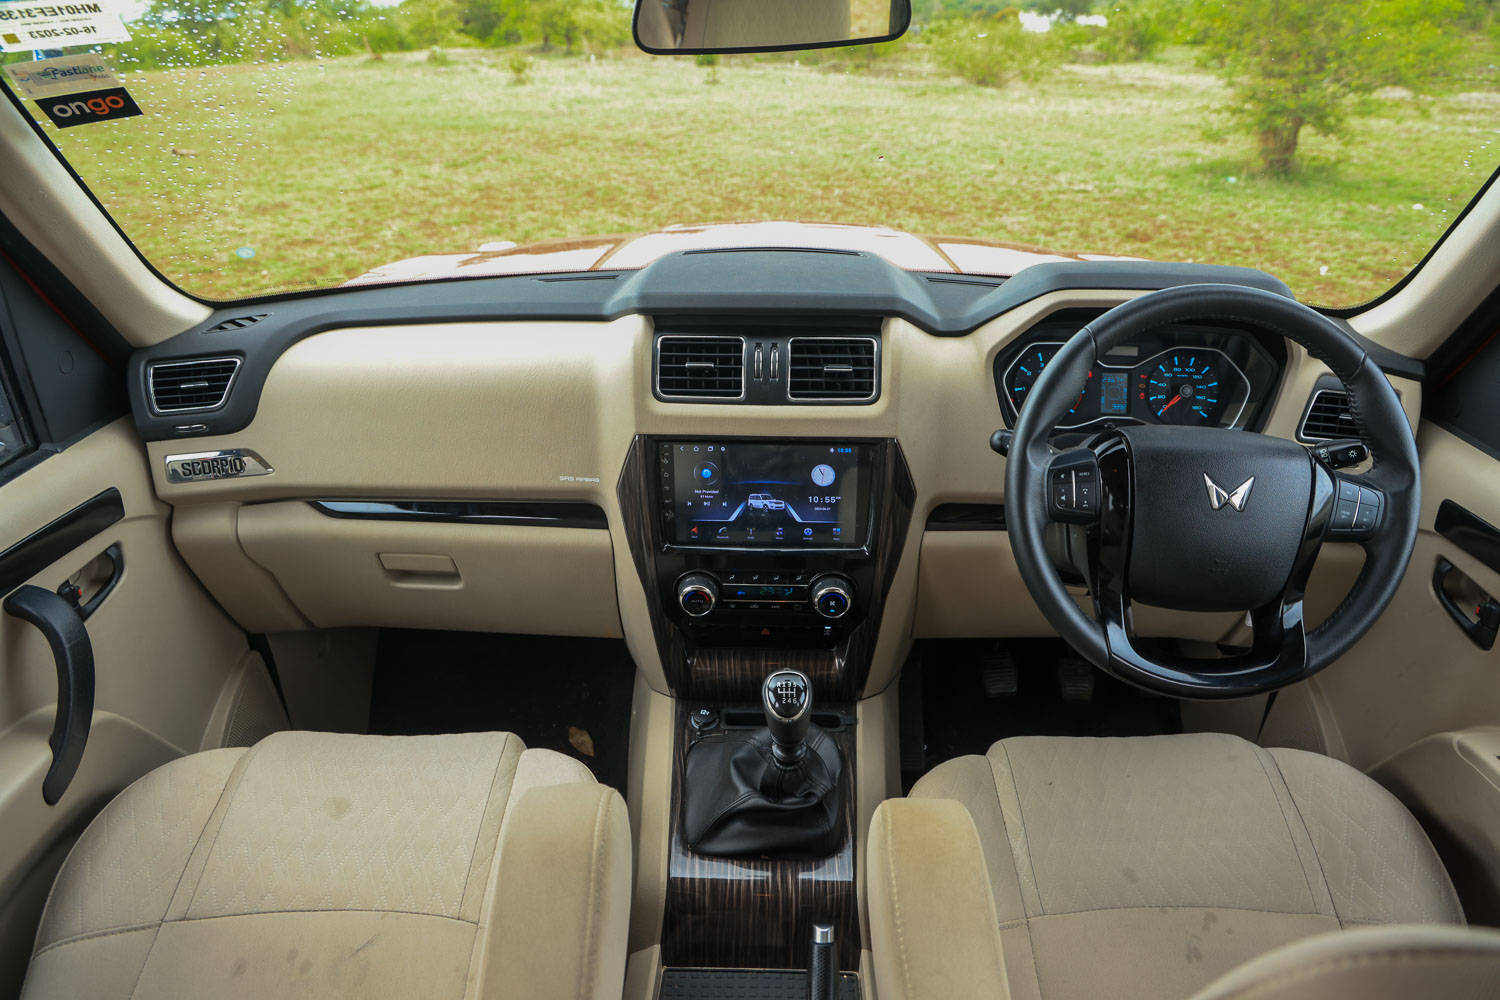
(1295, 64)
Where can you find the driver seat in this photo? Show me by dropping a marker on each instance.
(1133, 867)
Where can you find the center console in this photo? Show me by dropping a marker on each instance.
(764, 542)
(765, 561)
(760, 549)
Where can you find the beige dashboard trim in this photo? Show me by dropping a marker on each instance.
(545, 411)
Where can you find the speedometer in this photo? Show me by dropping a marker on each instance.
(1186, 387)
(1025, 369)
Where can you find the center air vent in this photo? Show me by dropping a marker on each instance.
(833, 368)
(1328, 417)
(700, 367)
(184, 386)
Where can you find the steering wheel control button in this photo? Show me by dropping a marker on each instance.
(697, 593)
(1073, 488)
(1356, 514)
(832, 596)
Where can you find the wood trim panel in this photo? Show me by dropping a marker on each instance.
(758, 912)
(730, 673)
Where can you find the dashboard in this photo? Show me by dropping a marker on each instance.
(498, 454)
(1186, 375)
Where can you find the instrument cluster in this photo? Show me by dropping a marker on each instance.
(1190, 375)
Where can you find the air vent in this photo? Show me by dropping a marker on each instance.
(1328, 417)
(183, 386)
(700, 367)
(834, 368)
(236, 323)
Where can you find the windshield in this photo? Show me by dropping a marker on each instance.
(250, 147)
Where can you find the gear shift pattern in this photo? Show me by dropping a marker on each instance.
(786, 698)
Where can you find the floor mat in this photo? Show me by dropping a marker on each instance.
(568, 695)
(959, 718)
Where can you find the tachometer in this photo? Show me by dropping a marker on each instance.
(1025, 369)
(1185, 387)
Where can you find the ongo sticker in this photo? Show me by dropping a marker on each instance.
(90, 106)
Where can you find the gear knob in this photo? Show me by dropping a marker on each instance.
(786, 698)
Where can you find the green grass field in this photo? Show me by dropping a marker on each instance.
(326, 169)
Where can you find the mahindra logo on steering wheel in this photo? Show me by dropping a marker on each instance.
(1236, 498)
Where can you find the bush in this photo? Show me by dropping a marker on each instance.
(1136, 30)
(437, 57)
(993, 53)
(711, 60)
(519, 64)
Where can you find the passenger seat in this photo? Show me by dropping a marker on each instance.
(325, 865)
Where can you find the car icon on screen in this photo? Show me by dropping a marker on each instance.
(764, 501)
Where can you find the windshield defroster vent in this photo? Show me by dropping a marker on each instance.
(185, 386)
(834, 368)
(236, 323)
(1328, 417)
(700, 367)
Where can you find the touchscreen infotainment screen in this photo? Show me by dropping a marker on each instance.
(765, 495)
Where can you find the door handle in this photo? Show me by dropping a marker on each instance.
(73, 655)
(1483, 625)
(70, 592)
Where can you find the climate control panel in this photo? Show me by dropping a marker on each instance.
(829, 596)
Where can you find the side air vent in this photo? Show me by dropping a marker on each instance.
(1328, 417)
(833, 368)
(236, 323)
(184, 386)
(700, 367)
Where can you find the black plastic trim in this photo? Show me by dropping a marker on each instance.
(73, 656)
(1469, 532)
(750, 283)
(47, 544)
(542, 513)
(967, 517)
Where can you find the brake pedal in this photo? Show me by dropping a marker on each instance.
(999, 674)
(1075, 680)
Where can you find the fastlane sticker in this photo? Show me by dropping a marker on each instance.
(68, 110)
(25, 25)
(63, 75)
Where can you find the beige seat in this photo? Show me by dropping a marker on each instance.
(321, 865)
(1372, 963)
(1063, 868)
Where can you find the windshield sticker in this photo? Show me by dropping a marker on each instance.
(63, 75)
(26, 26)
(91, 106)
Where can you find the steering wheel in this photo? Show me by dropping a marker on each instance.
(1209, 519)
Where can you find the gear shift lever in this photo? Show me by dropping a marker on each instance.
(766, 792)
(786, 698)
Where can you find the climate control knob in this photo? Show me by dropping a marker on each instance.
(832, 595)
(697, 593)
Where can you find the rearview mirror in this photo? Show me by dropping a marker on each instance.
(688, 27)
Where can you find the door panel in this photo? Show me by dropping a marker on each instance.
(164, 657)
(1416, 673)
